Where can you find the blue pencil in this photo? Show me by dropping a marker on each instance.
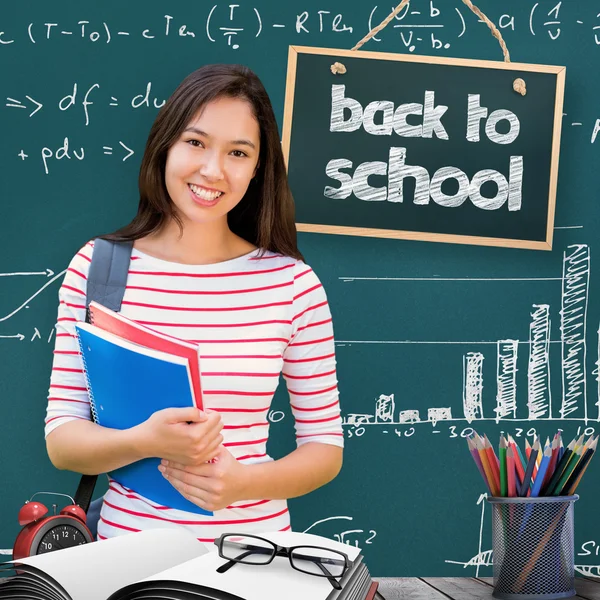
(539, 478)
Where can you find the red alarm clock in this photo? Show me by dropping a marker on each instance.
(43, 533)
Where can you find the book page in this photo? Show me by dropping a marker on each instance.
(261, 582)
(94, 571)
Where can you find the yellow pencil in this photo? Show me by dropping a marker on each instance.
(579, 442)
(538, 460)
(591, 447)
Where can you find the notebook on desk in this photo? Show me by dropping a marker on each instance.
(127, 383)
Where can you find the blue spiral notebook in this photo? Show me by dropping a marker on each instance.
(127, 383)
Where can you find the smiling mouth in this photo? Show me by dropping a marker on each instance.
(204, 194)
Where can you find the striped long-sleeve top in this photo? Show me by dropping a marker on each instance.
(252, 318)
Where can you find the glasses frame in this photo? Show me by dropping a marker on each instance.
(283, 551)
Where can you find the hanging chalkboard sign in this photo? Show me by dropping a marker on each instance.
(423, 148)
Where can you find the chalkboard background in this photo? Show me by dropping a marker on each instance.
(409, 317)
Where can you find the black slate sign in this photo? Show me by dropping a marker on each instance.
(425, 148)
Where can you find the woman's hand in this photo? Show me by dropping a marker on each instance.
(211, 486)
(186, 436)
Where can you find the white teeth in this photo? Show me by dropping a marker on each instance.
(204, 194)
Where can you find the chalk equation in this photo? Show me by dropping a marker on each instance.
(342, 529)
(90, 97)
(85, 97)
(422, 24)
(49, 278)
(65, 151)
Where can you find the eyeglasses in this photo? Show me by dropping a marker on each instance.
(254, 550)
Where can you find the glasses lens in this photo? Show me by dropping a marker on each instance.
(318, 561)
(247, 549)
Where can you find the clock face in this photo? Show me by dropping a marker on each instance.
(59, 537)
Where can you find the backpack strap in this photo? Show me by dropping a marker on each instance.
(107, 277)
(106, 282)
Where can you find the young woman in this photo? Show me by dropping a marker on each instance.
(214, 261)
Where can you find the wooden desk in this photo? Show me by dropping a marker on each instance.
(462, 588)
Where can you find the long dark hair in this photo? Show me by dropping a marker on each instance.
(265, 216)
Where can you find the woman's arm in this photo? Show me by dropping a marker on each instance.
(185, 435)
(305, 469)
(216, 485)
(87, 448)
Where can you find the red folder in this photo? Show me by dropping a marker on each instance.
(125, 328)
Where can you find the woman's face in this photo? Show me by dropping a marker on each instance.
(210, 166)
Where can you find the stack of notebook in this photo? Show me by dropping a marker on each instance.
(173, 564)
(131, 372)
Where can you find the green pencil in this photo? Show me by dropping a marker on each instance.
(586, 456)
(560, 466)
(581, 467)
(503, 474)
(575, 456)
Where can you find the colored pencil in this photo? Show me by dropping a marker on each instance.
(574, 465)
(553, 460)
(511, 472)
(551, 471)
(579, 442)
(518, 458)
(541, 474)
(503, 477)
(486, 467)
(591, 451)
(547, 443)
(530, 466)
(475, 454)
(493, 460)
(560, 466)
(561, 449)
(538, 459)
(575, 456)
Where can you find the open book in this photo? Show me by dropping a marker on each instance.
(168, 563)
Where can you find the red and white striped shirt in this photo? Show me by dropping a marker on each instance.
(253, 318)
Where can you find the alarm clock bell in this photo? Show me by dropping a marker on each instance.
(43, 533)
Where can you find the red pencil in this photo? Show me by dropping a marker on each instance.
(510, 472)
(493, 460)
(518, 464)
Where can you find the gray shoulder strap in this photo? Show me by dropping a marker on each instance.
(107, 277)
(106, 282)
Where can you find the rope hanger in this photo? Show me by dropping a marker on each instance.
(518, 84)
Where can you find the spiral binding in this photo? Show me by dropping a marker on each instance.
(93, 409)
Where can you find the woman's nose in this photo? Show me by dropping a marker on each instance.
(212, 166)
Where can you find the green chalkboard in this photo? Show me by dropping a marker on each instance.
(401, 146)
(411, 319)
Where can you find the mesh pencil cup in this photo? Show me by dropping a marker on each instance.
(533, 547)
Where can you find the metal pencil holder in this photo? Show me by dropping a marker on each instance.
(533, 547)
